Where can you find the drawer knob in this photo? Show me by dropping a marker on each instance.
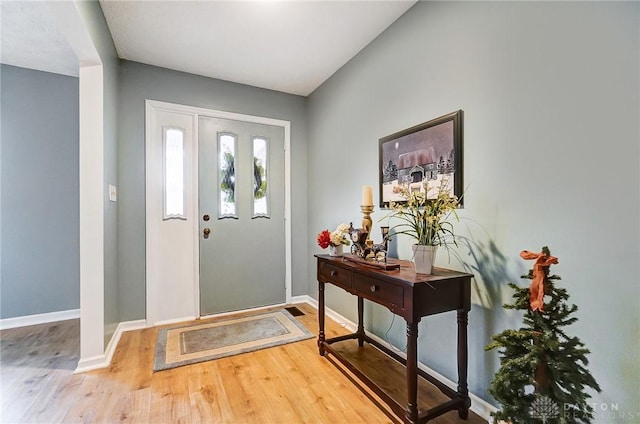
(374, 288)
(334, 273)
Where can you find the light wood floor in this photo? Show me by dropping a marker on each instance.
(284, 384)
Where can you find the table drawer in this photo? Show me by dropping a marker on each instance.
(336, 275)
(379, 291)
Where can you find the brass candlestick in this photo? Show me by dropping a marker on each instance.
(367, 223)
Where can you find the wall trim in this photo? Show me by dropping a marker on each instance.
(174, 321)
(115, 339)
(478, 405)
(104, 360)
(302, 299)
(91, 363)
(36, 319)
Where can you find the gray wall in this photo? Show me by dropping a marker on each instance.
(551, 157)
(40, 270)
(139, 82)
(103, 43)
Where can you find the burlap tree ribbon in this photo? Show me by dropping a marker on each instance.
(536, 290)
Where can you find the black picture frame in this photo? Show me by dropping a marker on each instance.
(430, 150)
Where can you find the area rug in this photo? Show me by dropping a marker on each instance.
(191, 344)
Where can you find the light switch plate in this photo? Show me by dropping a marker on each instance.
(113, 194)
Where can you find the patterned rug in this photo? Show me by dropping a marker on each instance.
(191, 344)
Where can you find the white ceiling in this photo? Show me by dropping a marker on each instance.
(30, 38)
(291, 46)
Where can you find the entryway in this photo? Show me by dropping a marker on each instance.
(217, 212)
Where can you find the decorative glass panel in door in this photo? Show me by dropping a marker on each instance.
(173, 153)
(227, 174)
(260, 180)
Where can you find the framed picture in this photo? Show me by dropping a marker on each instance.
(425, 153)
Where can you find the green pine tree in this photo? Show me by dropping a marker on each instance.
(543, 375)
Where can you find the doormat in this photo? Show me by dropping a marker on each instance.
(191, 344)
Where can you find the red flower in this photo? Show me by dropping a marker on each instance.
(324, 239)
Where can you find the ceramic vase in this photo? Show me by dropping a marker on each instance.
(423, 258)
(335, 250)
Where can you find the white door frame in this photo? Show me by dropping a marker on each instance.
(151, 106)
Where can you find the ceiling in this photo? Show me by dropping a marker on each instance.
(31, 39)
(290, 46)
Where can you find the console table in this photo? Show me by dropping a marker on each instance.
(411, 296)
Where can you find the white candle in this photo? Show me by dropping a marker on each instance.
(367, 195)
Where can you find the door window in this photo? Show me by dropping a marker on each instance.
(227, 175)
(173, 173)
(260, 173)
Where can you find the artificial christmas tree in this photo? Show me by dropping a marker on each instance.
(543, 375)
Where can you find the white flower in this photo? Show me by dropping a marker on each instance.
(338, 236)
(343, 228)
(423, 215)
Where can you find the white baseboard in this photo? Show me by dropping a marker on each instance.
(174, 321)
(91, 363)
(478, 405)
(104, 360)
(301, 299)
(122, 327)
(39, 319)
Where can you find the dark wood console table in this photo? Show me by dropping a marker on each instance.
(411, 296)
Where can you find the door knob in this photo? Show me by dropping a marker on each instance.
(206, 231)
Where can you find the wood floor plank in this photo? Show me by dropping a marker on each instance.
(34, 361)
(60, 392)
(202, 395)
(285, 384)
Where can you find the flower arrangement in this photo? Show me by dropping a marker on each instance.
(424, 214)
(335, 238)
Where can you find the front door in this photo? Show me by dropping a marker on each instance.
(241, 215)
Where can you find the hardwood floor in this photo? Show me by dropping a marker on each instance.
(284, 384)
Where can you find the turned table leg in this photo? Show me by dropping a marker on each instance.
(463, 390)
(321, 336)
(412, 372)
(360, 321)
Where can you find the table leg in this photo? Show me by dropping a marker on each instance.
(360, 321)
(321, 336)
(463, 390)
(412, 372)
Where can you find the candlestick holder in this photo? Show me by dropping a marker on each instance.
(367, 223)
